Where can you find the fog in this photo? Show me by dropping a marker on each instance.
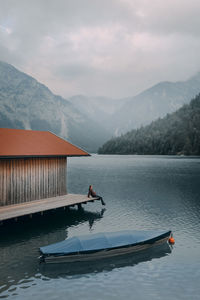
(101, 48)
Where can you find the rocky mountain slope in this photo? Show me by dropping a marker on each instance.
(27, 104)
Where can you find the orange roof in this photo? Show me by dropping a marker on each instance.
(19, 142)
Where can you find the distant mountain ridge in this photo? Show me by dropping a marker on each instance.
(176, 133)
(142, 109)
(100, 109)
(85, 121)
(155, 102)
(27, 104)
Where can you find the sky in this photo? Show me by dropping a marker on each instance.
(113, 48)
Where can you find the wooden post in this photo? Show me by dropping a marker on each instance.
(79, 206)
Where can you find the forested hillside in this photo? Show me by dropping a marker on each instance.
(177, 133)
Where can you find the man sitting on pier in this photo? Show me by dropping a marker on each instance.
(92, 193)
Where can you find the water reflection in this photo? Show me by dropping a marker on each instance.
(51, 222)
(20, 241)
(140, 193)
(57, 270)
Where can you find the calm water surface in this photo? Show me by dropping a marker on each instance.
(140, 193)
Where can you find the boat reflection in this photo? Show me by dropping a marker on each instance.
(108, 264)
(19, 242)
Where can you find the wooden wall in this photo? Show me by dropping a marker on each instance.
(28, 179)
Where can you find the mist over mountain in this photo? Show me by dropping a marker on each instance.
(163, 98)
(100, 109)
(85, 121)
(122, 115)
(176, 133)
(27, 104)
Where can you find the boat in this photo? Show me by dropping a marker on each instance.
(102, 245)
(57, 269)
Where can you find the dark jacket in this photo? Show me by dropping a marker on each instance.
(91, 193)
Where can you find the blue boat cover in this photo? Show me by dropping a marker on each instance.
(101, 241)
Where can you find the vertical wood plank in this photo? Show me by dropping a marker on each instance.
(4, 184)
(66, 179)
(47, 178)
(56, 176)
(18, 200)
(35, 184)
(8, 180)
(62, 178)
(11, 181)
(23, 180)
(1, 184)
(28, 179)
(51, 177)
(39, 179)
(43, 171)
(34, 180)
(15, 199)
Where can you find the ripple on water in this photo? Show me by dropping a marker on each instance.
(140, 193)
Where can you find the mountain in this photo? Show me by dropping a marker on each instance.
(100, 109)
(121, 115)
(177, 133)
(85, 121)
(27, 104)
(155, 102)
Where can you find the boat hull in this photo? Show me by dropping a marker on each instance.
(103, 254)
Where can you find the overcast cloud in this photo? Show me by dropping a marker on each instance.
(113, 48)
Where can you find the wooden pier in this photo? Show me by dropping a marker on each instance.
(39, 206)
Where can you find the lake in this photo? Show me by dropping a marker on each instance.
(141, 192)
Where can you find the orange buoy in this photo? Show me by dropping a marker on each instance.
(171, 240)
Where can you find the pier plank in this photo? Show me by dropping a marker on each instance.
(38, 206)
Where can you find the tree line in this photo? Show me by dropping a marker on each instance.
(176, 134)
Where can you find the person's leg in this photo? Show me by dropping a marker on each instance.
(102, 202)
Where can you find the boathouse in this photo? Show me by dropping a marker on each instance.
(33, 165)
